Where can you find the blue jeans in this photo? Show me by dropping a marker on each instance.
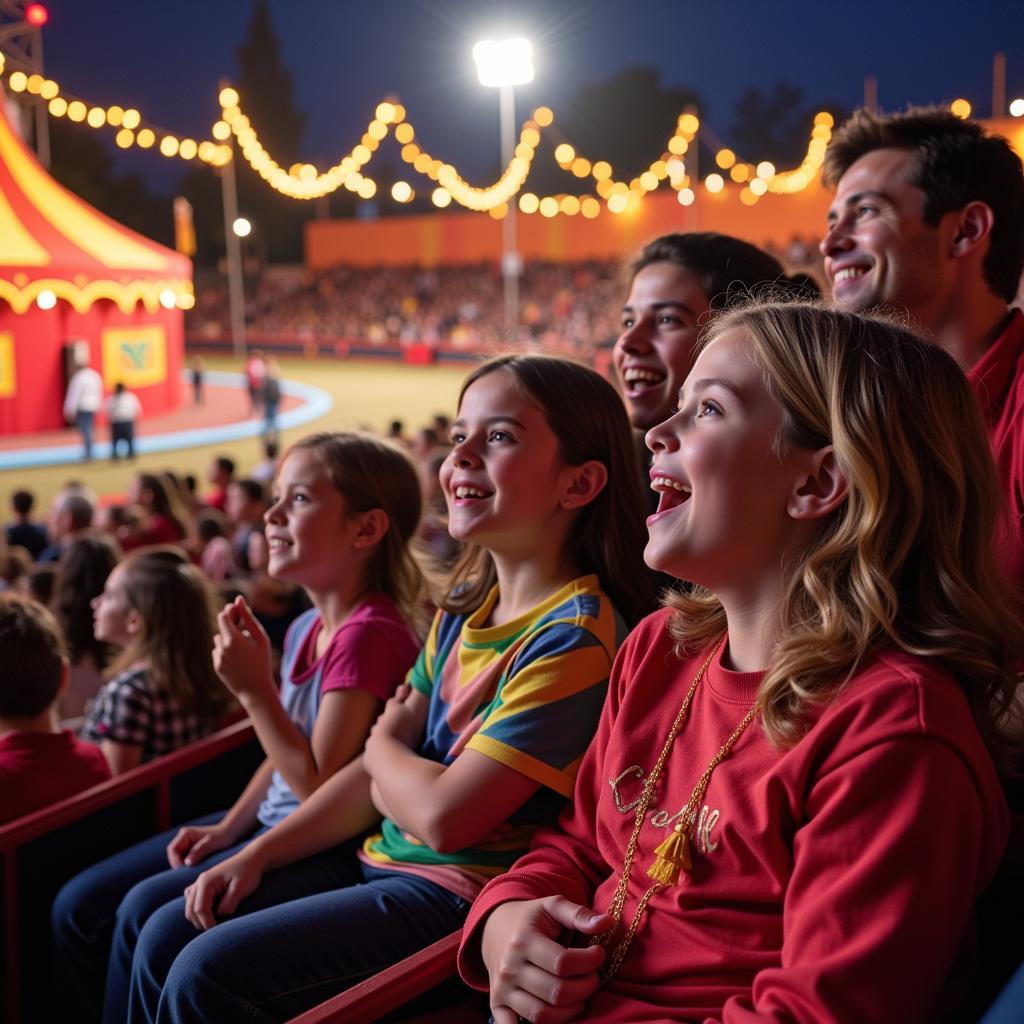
(84, 421)
(87, 922)
(270, 963)
(1009, 1007)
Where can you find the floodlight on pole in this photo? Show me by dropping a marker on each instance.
(504, 65)
(242, 227)
(504, 62)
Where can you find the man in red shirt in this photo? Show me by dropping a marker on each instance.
(928, 220)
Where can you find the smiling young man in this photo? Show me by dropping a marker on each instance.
(928, 221)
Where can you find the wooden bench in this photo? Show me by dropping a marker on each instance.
(41, 851)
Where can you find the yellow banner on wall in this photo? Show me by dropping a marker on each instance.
(135, 356)
(8, 381)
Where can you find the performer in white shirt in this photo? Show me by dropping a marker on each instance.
(82, 402)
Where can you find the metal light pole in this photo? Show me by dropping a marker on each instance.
(505, 65)
(511, 261)
(233, 251)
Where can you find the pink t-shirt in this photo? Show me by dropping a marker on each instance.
(372, 650)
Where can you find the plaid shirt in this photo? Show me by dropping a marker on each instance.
(131, 711)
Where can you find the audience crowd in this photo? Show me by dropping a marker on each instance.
(565, 308)
(778, 792)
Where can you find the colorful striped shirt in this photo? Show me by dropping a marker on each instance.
(528, 694)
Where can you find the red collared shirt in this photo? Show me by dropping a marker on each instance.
(998, 380)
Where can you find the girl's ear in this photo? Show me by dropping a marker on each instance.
(821, 490)
(133, 622)
(583, 484)
(373, 524)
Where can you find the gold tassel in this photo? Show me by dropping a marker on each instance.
(671, 856)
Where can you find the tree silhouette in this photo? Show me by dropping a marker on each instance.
(774, 124)
(267, 93)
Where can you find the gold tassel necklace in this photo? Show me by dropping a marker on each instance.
(672, 855)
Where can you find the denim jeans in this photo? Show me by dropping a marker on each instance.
(85, 917)
(269, 964)
(84, 421)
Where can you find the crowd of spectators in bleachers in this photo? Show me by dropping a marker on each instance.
(565, 308)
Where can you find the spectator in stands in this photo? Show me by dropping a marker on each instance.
(30, 535)
(345, 511)
(219, 473)
(39, 763)
(675, 283)
(396, 433)
(163, 691)
(754, 834)
(264, 470)
(928, 219)
(123, 412)
(38, 583)
(72, 513)
(213, 551)
(247, 501)
(482, 747)
(14, 565)
(156, 521)
(81, 576)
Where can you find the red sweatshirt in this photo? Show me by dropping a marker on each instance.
(832, 882)
(998, 380)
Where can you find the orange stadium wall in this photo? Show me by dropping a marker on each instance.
(438, 239)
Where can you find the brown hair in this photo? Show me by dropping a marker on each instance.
(907, 561)
(369, 473)
(176, 605)
(33, 656)
(587, 416)
(728, 268)
(955, 162)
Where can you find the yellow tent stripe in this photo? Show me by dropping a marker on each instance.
(70, 216)
(17, 246)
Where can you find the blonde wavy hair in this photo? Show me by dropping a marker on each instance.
(908, 560)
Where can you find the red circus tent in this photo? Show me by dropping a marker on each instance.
(71, 281)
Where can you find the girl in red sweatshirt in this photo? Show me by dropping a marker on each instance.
(791, 805)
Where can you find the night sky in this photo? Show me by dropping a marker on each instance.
(166, 58)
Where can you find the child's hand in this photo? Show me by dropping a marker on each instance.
(221, 888)
(532, 974)
(194, 842)
(241, 653)
(400, 720)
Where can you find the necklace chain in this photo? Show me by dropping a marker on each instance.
(687, 818)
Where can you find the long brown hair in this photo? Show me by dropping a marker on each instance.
(587, 416)
(176, 606)
(369, 473)
(907, 561)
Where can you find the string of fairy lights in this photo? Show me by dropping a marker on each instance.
(305, 181)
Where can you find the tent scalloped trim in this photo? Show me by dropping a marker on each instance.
(124, 295)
